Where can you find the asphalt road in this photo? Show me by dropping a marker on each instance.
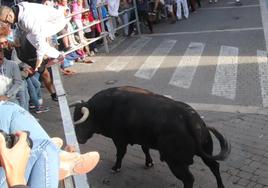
(216, 61)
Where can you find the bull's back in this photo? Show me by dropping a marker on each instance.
(137, 115)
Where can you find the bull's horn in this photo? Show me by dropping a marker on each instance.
(85, 112)
(75, 103)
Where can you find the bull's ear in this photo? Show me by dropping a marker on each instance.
(75, 103)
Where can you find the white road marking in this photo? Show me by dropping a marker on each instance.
(153, 62)
(125, 57)
(229, 108)
(263, 70)
(232, 7)
(184, 73)
(226, 108)
(205, 31)
(226, 73)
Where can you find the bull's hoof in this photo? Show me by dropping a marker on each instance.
(115, 170)
(149, 165)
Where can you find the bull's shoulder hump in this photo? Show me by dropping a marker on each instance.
(132, 89)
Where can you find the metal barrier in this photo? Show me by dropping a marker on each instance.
(101, 21)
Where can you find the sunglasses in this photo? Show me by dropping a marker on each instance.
(4, 44)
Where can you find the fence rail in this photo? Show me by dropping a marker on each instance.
(101, 21)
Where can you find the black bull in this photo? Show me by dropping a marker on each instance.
(130, 115)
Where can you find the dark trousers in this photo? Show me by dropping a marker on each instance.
(143, 16)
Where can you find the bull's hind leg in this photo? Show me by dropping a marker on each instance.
(121, 149)
(182, 172)
(215, 168)
(148, 159)
(213, 165)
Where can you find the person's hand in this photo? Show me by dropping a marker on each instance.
(38, 64)
(15, 159)
(29, 70)
(3, 98)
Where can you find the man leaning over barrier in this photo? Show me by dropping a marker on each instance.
(39, 22)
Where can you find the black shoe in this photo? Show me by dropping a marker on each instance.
(54, 97)
(238, 3)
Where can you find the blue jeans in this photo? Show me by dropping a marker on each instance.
(93, 7)
(43, 166)
(23, 96)
(34, 89)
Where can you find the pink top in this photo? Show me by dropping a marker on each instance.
(75, 9)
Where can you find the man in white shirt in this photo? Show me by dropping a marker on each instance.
(39, 22)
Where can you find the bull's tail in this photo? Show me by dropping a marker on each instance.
(224, 144)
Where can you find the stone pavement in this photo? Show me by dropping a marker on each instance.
(247, 165)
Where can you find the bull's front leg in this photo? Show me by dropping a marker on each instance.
(121, 149)
(148, 159)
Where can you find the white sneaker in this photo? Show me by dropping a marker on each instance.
(96, 50)
(57, 141)
(91, 53)
(40, 101)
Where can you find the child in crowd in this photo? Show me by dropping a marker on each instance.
(64, 7)
(90, 32)
(77, 7)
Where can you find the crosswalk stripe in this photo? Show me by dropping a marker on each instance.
(185, 70)
(263, 69)
(153, 62)
(125, 57)
(226, 73)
